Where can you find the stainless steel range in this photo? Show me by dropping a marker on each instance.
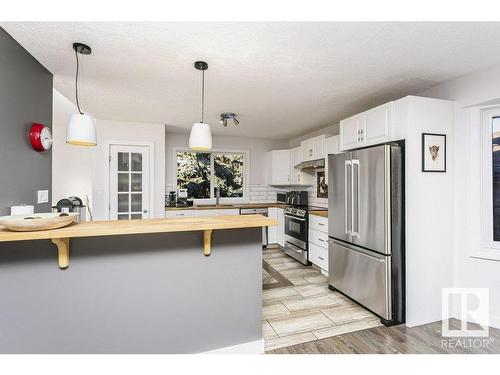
(296, 226)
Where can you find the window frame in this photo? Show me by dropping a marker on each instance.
(488, 244)
(227, 200)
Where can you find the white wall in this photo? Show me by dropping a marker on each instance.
(470, 93)
(429, 208)
(80, 171)
(71, 165)
(256, 146)
(108, 131)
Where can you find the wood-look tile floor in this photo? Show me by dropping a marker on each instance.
(425, 339)
(298, 307)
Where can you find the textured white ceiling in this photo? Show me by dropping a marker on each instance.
(284, 79)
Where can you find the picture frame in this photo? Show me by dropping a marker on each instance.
(321, 186)
(433, 152)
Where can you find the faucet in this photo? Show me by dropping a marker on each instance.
(217, 195)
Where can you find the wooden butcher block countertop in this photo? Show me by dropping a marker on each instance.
(124, 227)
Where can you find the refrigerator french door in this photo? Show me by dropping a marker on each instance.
(366, 229)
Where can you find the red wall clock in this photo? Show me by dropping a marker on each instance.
(40, 137)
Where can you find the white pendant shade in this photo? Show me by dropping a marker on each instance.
(200, 138)
(81, 130)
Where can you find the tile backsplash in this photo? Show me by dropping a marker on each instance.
(265, 193)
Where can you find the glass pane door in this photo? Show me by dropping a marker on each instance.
(129, 182)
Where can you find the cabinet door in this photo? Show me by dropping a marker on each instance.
(377, 125)
(272, 231)
(332, 145)
(307, 149)
(295, 155)
(281, 227)
(349, 132)
(318, 147)
(280, 167)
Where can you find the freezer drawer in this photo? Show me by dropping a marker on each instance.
(362, 275)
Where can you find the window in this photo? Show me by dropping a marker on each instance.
(495, 161)
(490, 184)
(201, 172)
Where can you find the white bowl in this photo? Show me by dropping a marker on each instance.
(42, 221)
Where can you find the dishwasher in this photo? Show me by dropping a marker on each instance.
(257, 211)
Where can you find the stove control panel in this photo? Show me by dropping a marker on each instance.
(295, 211)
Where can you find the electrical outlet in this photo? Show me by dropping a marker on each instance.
(43, 196)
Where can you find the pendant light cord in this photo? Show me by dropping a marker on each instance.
(76, 82)
(202, 94)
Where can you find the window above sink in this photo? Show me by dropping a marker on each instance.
(201, 172)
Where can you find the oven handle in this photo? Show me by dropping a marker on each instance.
(295, 218)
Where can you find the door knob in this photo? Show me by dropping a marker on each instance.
(145, 211)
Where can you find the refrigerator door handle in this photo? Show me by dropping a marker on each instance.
(347, 194)
(355, 199)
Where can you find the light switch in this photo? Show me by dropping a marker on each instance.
(43, 196)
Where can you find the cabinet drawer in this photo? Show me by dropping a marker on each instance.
(318, 255)
(216, 212)
(318, 223)
(318, 238)
(179, 213)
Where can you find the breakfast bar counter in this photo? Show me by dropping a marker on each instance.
(141, 286)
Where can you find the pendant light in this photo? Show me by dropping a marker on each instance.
(200, 138)
(81, 128)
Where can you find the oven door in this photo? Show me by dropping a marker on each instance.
(296, 230)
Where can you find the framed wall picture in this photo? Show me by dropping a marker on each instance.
(321, 186)
(433, 152)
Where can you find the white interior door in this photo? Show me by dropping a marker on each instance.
(129, 182)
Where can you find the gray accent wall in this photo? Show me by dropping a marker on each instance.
(154, 293)
(25, 98)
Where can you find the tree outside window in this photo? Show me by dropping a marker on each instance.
(199, 171)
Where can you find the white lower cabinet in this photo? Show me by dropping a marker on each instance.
(281, 227)
(179, 213)
(272, 231)
(318, 242)
(319, 256)
(217, 212)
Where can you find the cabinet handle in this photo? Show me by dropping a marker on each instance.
(321, 224)
(321, 258)
(319, 239)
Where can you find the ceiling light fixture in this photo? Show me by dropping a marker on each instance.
(81, 127)
(200, 138)
(225, 116)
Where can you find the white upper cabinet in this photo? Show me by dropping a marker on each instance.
(307, 149)
(295, 158)
(377, 125)
(313, 148)
(367, 128)
(349, 132)
(278, 162)
(319, 147)
(333, 145)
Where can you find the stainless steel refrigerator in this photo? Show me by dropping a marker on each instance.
(366, 228)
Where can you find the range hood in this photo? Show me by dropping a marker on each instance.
(311, 164)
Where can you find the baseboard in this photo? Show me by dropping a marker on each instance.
(252, 347)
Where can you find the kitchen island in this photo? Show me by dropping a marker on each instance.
(144, 286)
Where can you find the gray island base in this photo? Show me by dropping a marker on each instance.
(140, 293)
